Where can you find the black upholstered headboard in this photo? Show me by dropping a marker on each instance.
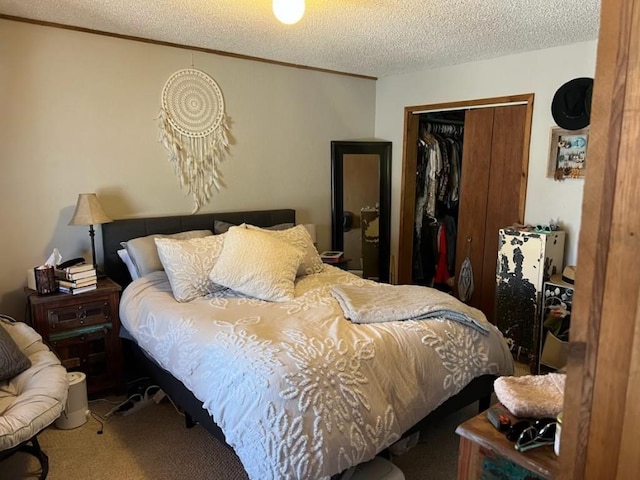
(122, 230)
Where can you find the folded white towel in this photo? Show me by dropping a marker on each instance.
(532, 396)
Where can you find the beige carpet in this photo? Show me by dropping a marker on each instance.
(153, 443)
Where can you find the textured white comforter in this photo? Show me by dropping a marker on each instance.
(299, 391)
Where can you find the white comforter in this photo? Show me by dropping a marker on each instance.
(299, 391)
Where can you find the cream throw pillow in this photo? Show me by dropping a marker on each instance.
(299, 237)
(188, 263)
(257, 264)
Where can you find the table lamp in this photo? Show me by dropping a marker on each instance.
(90, 212)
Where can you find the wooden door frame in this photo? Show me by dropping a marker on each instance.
(409, 164)
(602, 393)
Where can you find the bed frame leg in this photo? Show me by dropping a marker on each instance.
(484, 403)
(189, 421)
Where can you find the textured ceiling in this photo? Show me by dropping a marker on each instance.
(368, 37)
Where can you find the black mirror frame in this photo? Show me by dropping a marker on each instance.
(383, 149)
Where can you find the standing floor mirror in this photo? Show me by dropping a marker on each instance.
(361, 206)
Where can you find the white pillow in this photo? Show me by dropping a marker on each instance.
(126, 259)
(144, 255)
(299, 237)
(187, 264)
(257, 264)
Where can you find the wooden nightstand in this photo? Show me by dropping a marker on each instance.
(83, 331)
(486, 453)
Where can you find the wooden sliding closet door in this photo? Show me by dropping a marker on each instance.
(495, 160)
(507, 184)
(494, 172)
(474, 191)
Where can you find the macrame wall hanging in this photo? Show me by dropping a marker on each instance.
(193, 130)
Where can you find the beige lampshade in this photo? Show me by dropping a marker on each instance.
(89, 211)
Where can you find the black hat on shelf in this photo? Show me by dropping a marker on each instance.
(571, 105)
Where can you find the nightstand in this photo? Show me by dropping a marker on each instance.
(83, 331)
(486, 453)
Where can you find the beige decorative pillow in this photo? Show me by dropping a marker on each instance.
(144, 254)
(299, 237)
(188, 263)
(257, 264)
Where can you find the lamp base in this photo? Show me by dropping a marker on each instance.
(100, 275)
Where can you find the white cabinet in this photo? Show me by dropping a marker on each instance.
(526, 259)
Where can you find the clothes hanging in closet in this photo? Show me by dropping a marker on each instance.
(437, 196)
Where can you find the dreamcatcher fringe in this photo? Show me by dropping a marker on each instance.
(196, 160)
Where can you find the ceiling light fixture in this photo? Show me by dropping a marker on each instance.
(288, 11)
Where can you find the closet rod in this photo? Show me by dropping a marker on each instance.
(471, 107)
(443, 121)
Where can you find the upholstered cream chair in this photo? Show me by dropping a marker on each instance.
(32, 399)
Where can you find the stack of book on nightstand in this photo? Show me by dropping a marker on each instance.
(77, 279)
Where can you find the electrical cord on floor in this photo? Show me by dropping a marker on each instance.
(150, 387)
(136, 397)
(133, 382)
(118, 405)
(129, 403)
(112, 402)
(149, 392)
(174, 405)
(98, 419)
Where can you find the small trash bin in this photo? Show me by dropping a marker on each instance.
(76, 411)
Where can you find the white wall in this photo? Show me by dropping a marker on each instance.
(79, 115)
(541, 72)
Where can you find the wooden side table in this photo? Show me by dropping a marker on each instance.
(486, 453)
(83, 331)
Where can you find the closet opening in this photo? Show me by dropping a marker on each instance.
(464, 176)
(438, 167)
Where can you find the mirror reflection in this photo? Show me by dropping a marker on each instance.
(360, 206)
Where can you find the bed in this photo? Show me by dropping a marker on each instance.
(292, 386)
